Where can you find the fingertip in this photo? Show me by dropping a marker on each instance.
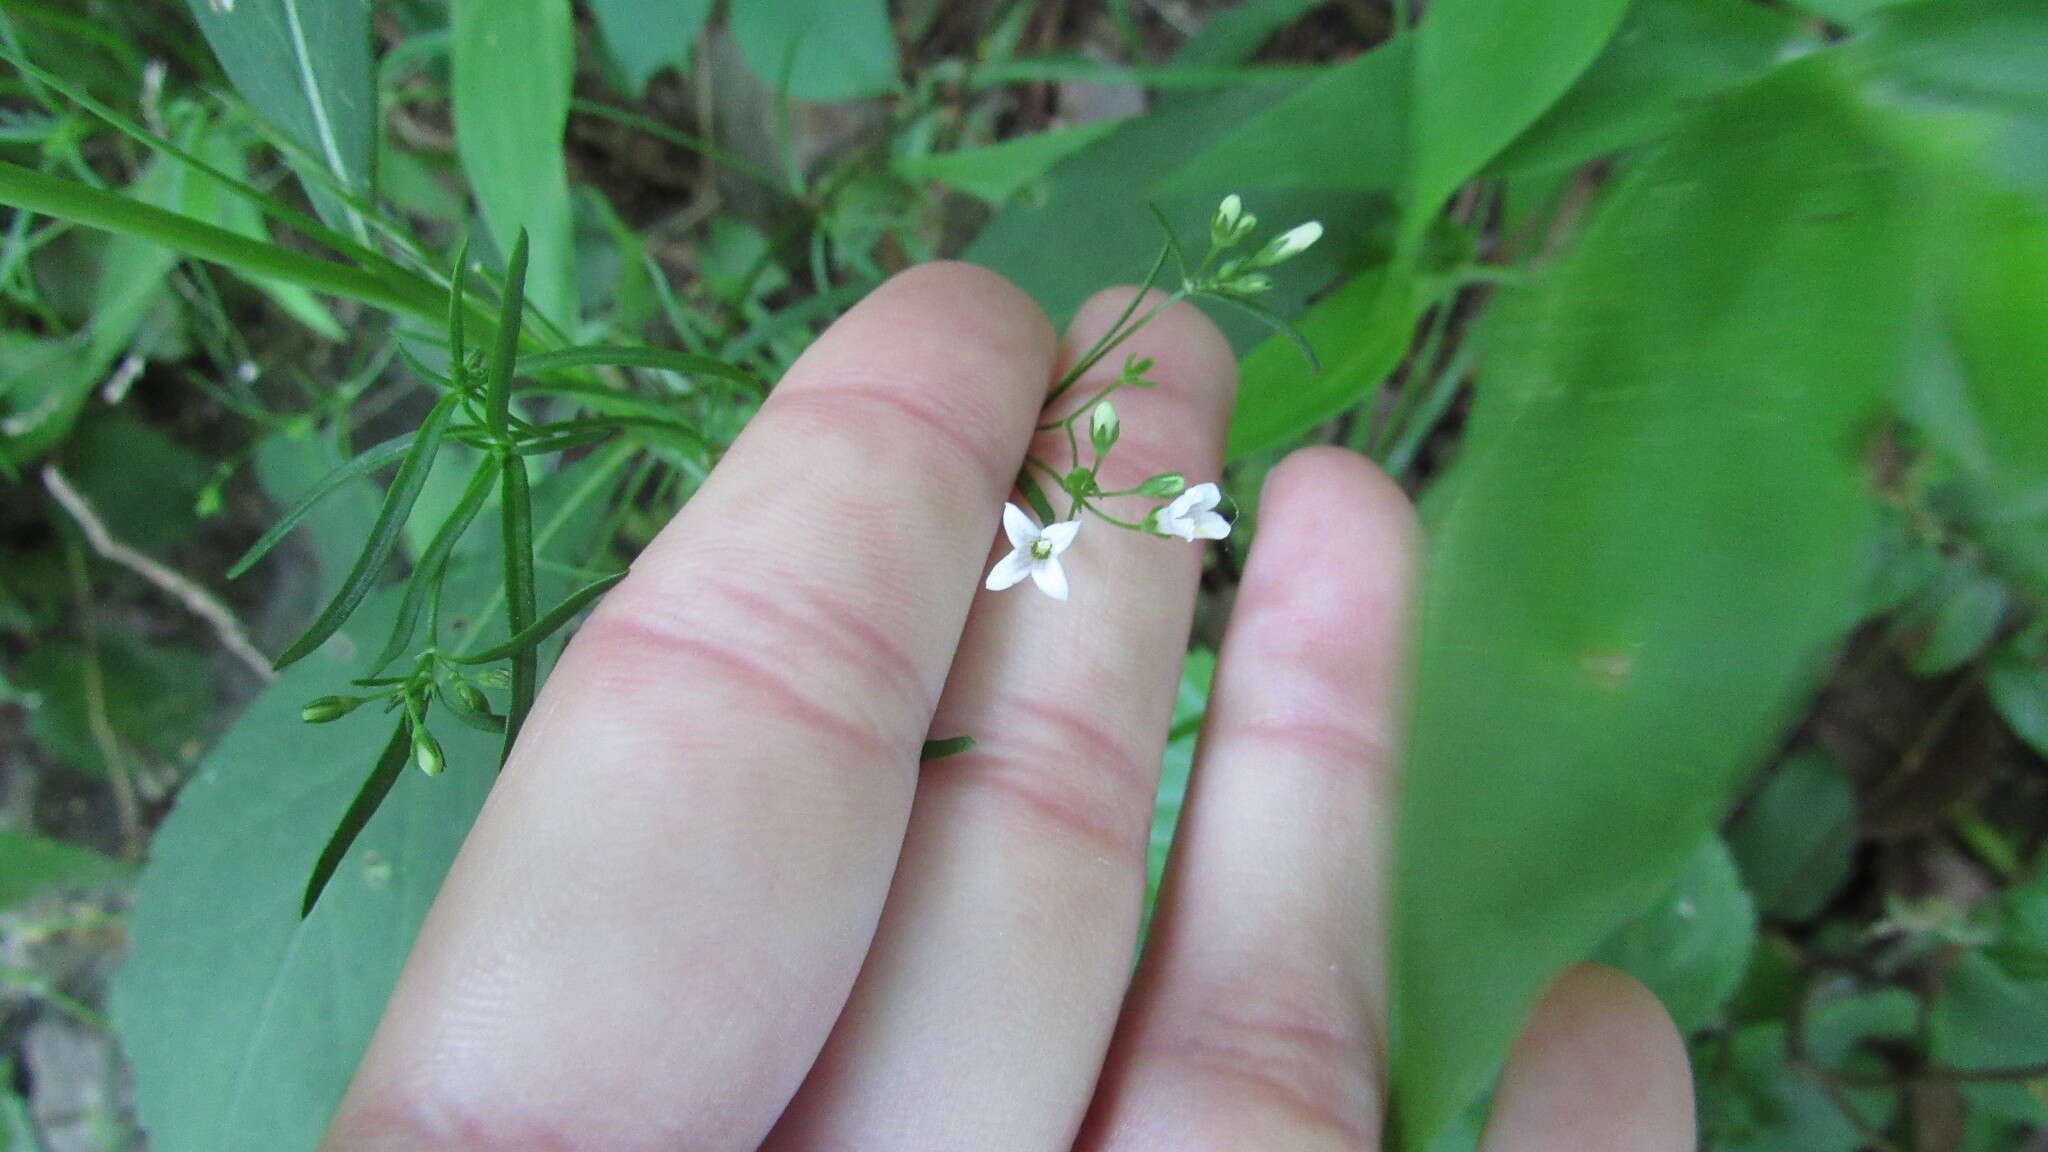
(1600, 1067)
(972, 300)
(1340, 490)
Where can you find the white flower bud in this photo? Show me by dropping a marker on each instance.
(1288, 244)
(1103, 426)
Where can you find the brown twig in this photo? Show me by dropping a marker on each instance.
(196, 599)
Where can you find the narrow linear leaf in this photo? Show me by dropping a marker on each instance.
(378, 785)
(682, 363)
(398, 502)
(362, 464)
(521, 599)
(511, 310)
(402, 293)
(996, 172)
(940, 749)
(547, 625)
(433, 562)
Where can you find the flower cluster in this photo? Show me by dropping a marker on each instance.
(1191, 513)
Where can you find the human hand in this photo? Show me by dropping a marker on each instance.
(715, 904)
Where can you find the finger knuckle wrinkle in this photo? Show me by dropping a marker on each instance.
(1065, 772)
(818, 623)
(667, 651)
(1296, 1058)
(906, 415)
(1339, 745)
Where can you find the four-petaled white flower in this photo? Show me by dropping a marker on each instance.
(1034, 552)
(1193, 516)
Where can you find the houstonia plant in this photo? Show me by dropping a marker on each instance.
(1191, 514)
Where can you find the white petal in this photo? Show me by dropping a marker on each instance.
(1202, 497)
(1050, 577)
(1181, 526)
(1061, 535)
(1019, 527)
(1010, 569)
(1184, 503)
(1211, 526)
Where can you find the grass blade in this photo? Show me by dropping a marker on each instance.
(34, 191)
(940, 749)
(426, 576)
(398, 501)
(364, 806)
(683, 363)
(547, 625)
(364, 463)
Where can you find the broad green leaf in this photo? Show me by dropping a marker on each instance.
(142, 484)
(646, 36)
(1359, 333)
(220, 205)
(1977, 397)
(1235, 34)
(1987, 1018)
(32, 865)
(1796, 838)
(305, 64)
(513, 64)
(996, 172)
(243, 1021)
(818, 50)
(1692, 947)
(1667, 56)
(1842, 1031)
(2022, 945)
(1965, 621)
(1752, 1099)
(1982, 53)
(1095, 228)
(2019, 689)
(1484, 71)
(1582, 706)
(1346, 129)
(155, 697)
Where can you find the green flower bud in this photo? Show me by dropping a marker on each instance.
(467, 696)
(1249, 284)
(329, 708)
(426, 752)
(495, 678)
(1164, 484)
(1103, 426)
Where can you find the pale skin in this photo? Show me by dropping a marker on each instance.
(714, 904)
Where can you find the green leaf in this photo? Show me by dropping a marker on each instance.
(143, 484)
(666, 360)
(1235, 34)
(391, 517)
(1484, 71)
(1986, 1018)
(547, 625)
(515, 521)
(1667, 56)
(1981, 53)
(1346, 129)
(513, 64)
(1359, 333)
(940, 749)
(996, 172)
(376, 786)
(505, 352)
(1581, 709)
(243, 1021)
(306, 65)
(1796, 838)
(646, 36)
(1692, 947)
(425, 584)
(404, 294)
(818, 50)
(1965, 622)
(1095, 225)
(360, 466)
(32, 865)
(156, 698)
(1752, 1099)
(2019, 690)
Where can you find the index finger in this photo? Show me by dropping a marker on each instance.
(659, 913)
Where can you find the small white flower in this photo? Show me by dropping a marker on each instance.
(1288, 244)
(1034, 552)
(1193, 516)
